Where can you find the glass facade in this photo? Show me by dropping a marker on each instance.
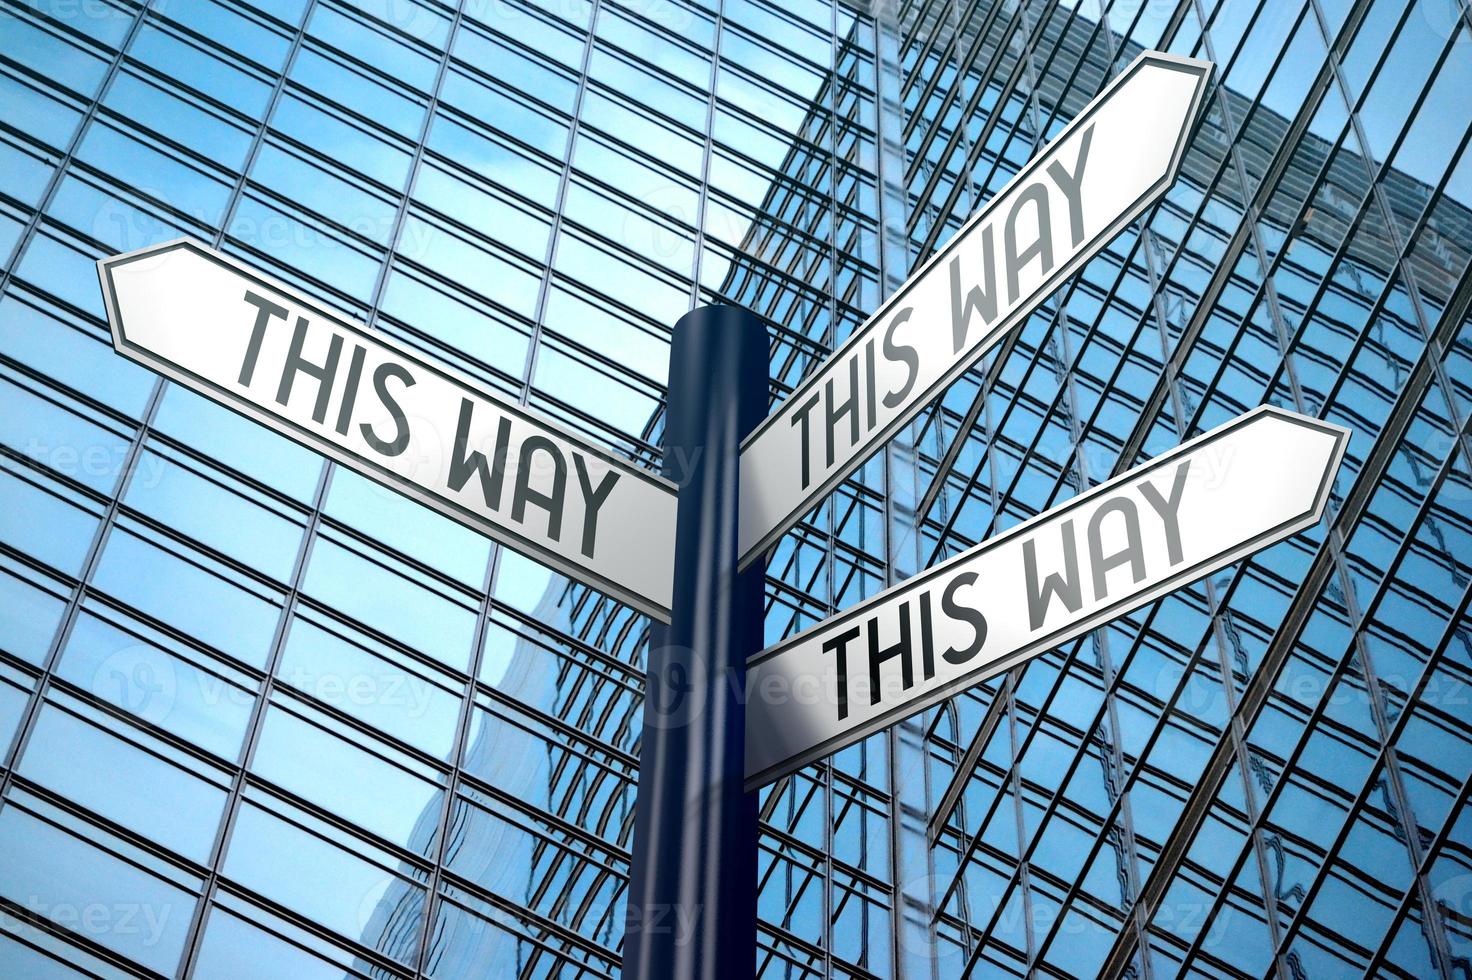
(261, 717)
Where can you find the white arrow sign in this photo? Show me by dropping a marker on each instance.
(1259, 478)
(1106, 167)
(379, 407)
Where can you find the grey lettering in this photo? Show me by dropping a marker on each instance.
(593, 498)
(849, 408)
(800, 417)
(265, 310)
(463, 464)
(903, 353)
(1169, 509)
(900, 648)
(1066, 586)
(525, 494)
(381, 376)
(1071, 184)
(296, 363)
(1132, 553)
(350, 390)
(983, 301)
(1041, 247)
(966, 614)
(838, 644)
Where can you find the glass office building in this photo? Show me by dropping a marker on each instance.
(259, 716)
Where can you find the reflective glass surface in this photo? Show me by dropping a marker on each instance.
(262, 717)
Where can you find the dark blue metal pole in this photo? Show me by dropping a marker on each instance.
(692, 887)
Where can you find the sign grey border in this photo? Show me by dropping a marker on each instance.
(1287, 528)
(367, 467)
(1189, 66)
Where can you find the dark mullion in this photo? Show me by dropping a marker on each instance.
(1259, 686)
(1385, 746)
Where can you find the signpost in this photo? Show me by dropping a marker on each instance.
(1106, 167)
(1258, 479)
(694, 856)
(383, 409)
